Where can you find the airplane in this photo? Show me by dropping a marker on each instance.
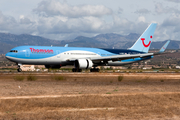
(85, 58)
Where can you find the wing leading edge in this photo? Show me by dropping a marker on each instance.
(121, 57)
(117, 57)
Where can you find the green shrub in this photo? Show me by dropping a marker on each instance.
(138, 81)
(120, 78)
(49, 70)
(19, 78)
(31, 78)
(147, 77)
(59, 78)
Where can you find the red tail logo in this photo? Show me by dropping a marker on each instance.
(144, 43)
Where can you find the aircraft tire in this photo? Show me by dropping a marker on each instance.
(80, 70)
(73, 70)
(19, 70)
(95, 70)
(76, 70)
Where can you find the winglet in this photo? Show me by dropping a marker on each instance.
(66, 45)
(164, 47)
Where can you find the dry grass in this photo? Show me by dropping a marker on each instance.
(137, 96)
(120, 78)
(138, 106)
(94, 76)
(58, 78)
(31, 77)
(19, 78)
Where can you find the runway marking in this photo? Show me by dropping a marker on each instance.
(84, 109)
(82, 95)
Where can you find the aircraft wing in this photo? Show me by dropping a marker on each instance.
(121, 57)
(118, 57)
(126, 56)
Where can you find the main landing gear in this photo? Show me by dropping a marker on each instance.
(91, 70)
(94, 70)
(76, 70)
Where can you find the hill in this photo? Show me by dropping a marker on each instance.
(109, 40)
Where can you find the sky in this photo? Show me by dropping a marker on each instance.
(67, 19)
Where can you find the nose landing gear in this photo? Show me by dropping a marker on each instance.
(19, 68)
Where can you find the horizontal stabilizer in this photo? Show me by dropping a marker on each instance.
(164, 47)
(66, 45)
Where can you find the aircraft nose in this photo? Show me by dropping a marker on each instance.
(7, 55)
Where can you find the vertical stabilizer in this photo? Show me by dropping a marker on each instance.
(144, 42)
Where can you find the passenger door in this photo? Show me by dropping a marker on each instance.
(27, 53)
(58, 53)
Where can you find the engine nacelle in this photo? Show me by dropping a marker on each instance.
(53, 66)
(83, 63)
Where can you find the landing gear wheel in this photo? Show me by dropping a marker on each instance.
(76, 70)
(73, 70)
(95, 70)
(79, 70)
(19, 70)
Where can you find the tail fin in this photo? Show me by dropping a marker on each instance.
(144, 41)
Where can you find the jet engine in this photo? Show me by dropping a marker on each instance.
(83, 64)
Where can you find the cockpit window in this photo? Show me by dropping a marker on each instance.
(15, 51)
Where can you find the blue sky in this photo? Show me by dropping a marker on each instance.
(67, 19)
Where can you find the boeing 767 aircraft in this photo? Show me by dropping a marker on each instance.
(85, 58)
